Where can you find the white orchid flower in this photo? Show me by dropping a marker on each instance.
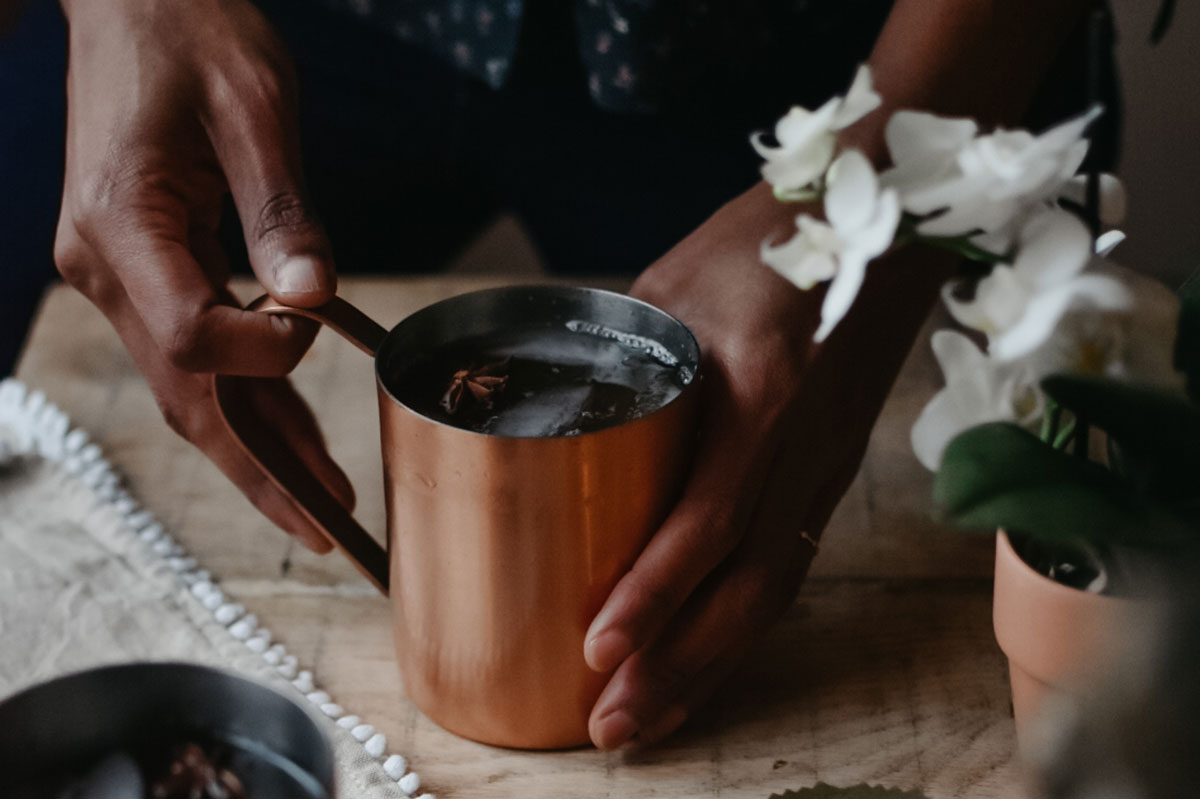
(860, 100)
(979, 184)
(806, 139)
(861, 225)
(809, 257)
(1019, 306)
(1091, 291)
(1107, 242)
(978, 390)
(923, 147)
(1133, 341)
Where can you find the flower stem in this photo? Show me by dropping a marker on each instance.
(804, 195)
(1050, 421)
(963, 246)
(1064, 435)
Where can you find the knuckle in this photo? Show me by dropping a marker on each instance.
(108, 188)
(177, 421)
(666, 676)
(284, 212)
(181, 418)
(758, 597)
(185, 407)
(761, 368)
(81, 267)
(249, 85)
(742, 362)
(72, 257)
(659, 600)
(656, 286)
(718, 533)
(183, 343)
(270, 86)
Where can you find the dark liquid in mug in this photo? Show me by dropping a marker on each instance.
(561, 381)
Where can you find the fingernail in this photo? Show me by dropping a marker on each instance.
(603, 652)
(300, 274)
(614, 729)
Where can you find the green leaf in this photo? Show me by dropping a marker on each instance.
(999, 475)
(1187, 341)
(1157, 433)
(825, 791)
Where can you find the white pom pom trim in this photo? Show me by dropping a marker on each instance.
(31, 425)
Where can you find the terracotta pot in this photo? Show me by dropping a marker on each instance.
(1052, 634)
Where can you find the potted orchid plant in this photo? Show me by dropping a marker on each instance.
(1070, 415)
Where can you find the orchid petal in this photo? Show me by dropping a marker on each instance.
(916, 174)
(763, 150)
(805, 147)
(956, 353)
(799, 169)
(807, 258)
(1107, 242)
(979, 183)
(1054, 246)
(877, 236)
(1072, 160)
(994, 154)
(998, 241)
(967, 313)
(915, 135)
(935, 195)
(1000, 300)
(935, 428)
(1045, 311)
(850, 199)
(860, 100)
(1019, 398)
(1064, 134)
(799, 125)
(842, 291)
(970, 213)
(964, 402)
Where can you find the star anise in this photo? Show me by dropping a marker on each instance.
(479, 383)
(192, 774)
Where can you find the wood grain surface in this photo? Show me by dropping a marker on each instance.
(884, 671)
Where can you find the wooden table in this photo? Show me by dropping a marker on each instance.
(885, 670)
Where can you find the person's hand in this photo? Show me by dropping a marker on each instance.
(783, 429)
(172, 104)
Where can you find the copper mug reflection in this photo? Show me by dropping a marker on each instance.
(499, 550)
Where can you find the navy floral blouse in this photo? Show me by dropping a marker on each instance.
(634, 52)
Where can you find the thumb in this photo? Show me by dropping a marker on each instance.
(259, 151)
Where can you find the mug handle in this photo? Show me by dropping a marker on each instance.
(307, 494)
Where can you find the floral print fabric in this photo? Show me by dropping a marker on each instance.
(629, 49)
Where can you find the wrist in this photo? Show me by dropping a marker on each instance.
(89, 21)
(74, 10)
(776, 219)
(867, 136)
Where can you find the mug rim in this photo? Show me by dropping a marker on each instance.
(690, 343)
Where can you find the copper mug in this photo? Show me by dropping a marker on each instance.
(500, 551)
